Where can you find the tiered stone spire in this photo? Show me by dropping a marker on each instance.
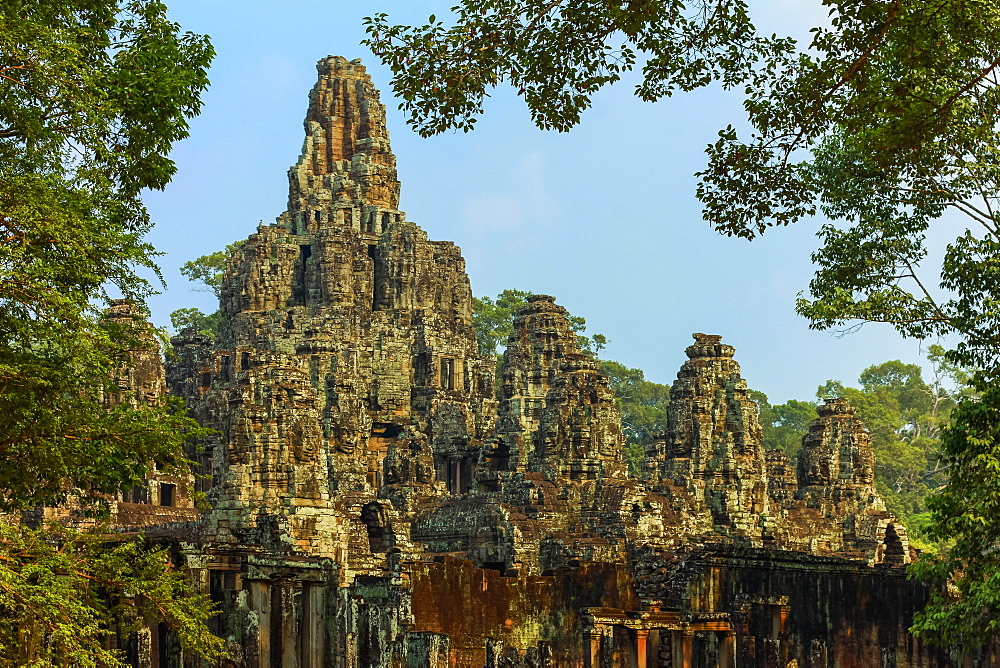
(346, 158)
(836, 459)
(557, 412)
(712, 445)
(347, 366)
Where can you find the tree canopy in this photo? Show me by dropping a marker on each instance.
(884, 120)
(966, 516)
(783, 425)
(93, 94)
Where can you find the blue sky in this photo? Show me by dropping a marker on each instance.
(603, 217)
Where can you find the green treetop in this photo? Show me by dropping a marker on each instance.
(209, 271)
(93, 94)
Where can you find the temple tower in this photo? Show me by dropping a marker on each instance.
(346, 367)
(712, 444)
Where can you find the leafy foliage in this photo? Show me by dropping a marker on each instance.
(643, 405)
(61, 439)
(62, 589)
(92, 96)
(885, 120)
(209, 269)
(783, 425)
(965, 604)
(558, 53)
(183, 318)
(493, 320)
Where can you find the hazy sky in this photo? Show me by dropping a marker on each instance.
(603, 217)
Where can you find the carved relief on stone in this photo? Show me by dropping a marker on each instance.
(836, 451)
(712, 444)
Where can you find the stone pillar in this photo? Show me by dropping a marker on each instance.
(313, 625)
(727, 650)
(289, 630)
(592, 648)
(653, 648)
(683, 642)
(260, 602)
(641, 641)
(146, 649)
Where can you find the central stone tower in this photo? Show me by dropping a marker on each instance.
(346, 373)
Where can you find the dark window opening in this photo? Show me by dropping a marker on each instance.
(372, 251)
(138, 494)
(386, 430)
(498, 566)
(277, 628)
(244, 361)
(217, 594)
(167, 494)
(225, 368)
(206, 380)
(299, 289)
(203, 481)
(385, 221)
(316, 217)
(459, 475)
(422, 369)
(162, 655)
(447, 374)
(372, 516)
(216, 586)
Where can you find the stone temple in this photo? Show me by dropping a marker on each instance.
(379, 498)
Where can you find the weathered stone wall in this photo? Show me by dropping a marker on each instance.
(792, 607)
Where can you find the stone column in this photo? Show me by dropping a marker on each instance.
(653, 648)
(259, 594)
(313, 625)
(592, 648)
(289, 629)
(146, 647)
(641, 641)
(727, 650)
(683, 642)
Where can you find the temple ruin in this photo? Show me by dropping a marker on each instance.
(380, 499)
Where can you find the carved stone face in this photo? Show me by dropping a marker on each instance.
(346, 443)
(392, 475)
(304, 438)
